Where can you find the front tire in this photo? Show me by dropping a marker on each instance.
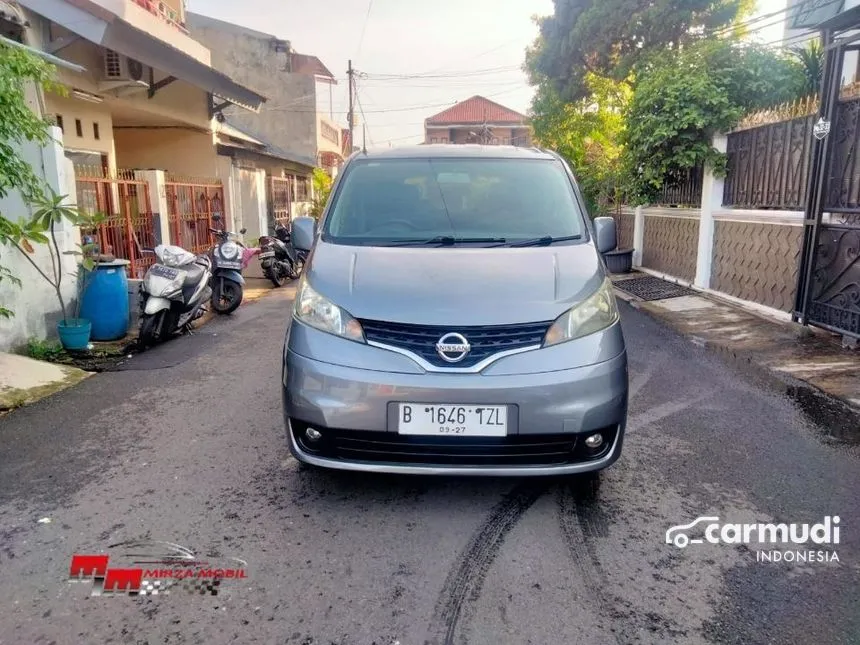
(226, 296)
(151, 326)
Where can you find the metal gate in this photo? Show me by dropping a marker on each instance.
(280, 200)
(129, 224)
(191, 203)
(828, 290)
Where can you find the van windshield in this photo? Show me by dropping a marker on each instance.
(483, 201)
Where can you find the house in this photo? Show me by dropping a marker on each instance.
(141, 135)
(478, 120)
(291, 120)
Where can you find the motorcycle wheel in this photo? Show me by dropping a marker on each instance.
(149, 328)
(226, 296)
(276, 275)
(297, 268)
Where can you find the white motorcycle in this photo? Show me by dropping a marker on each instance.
(173, 294)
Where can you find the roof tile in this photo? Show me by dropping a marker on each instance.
(477, 110)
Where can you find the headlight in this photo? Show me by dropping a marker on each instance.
(596, 312)
(229, 250)
(321, 313)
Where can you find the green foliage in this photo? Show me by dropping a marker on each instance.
(18, 125)
(43, 350)
(682, 100)
(41, 229)
(811, 59)
(611, 37)
(322, 183)
(587, 133)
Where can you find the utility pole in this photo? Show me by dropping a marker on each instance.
(364, 137)
(350, 73)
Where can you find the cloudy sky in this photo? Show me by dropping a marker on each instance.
(450, 49)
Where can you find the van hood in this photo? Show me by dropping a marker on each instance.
(455, 286)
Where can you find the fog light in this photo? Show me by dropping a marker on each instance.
(313, 435)
(594, 441)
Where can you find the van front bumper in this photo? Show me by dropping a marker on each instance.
(550, 414)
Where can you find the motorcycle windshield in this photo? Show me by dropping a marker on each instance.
(173, 256)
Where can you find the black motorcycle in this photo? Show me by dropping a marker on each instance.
(279, 259)
(228, 259)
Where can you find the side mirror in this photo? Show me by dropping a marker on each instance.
(216, 217)
(604, 234)
(303, 231)
(243, 230)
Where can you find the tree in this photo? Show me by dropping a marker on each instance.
(322, 188)
(610, 37)
(18, 126)
(682, 100)
(587, 133)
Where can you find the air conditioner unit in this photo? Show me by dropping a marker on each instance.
(122, 68)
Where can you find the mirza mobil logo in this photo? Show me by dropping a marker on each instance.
(146, 568)
(775, 542)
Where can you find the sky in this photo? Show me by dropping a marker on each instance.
(462, 47)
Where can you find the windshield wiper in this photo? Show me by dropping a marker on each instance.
(448, 240)
(546, 240)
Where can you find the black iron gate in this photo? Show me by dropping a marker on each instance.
(828, 290)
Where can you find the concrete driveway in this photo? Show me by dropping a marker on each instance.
(187, 446)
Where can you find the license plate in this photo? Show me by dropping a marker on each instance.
(163, 271)
(229, 265)
(267, 254)
(454, 420)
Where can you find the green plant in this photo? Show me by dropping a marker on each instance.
(322, 183)
(681, 101)
(44, 350)
(811, 58)
(19, 124)
(41, 228)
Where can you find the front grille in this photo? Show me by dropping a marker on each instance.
(389, 447)
(485, 341)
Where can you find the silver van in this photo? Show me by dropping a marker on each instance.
(455, 317)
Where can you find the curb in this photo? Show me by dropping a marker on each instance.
(837, 418)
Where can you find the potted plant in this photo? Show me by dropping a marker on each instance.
(50, 211)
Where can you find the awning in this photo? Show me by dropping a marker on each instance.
(114, 33)
(258, 145)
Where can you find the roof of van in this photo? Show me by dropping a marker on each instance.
(436, 151)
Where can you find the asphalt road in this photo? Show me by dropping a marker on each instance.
(188, 447)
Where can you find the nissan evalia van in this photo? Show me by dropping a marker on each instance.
(455, 317)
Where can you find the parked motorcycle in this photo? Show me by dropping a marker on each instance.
(229, 258)
(173, 293)
(279, 259)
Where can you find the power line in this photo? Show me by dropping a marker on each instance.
(402, 109)
(363, 118)
(364, 28)
(458, 74)
(795, 8)
(482, 54)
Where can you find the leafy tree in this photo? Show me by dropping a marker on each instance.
(19, 125)
(322, 183)
(682, 100)
(610, 37)
(587, 133)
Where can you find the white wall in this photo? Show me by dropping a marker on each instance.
(36, 307)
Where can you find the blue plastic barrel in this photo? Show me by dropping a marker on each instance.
(105, 301)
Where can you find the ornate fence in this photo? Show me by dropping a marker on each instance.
(124, 200)
(768, 166)
(191, 203)
(684, 190)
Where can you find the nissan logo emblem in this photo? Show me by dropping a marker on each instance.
(453, 348)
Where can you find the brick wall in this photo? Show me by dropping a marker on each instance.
(671, 242)
(757, 261)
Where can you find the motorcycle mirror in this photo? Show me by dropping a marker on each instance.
(243, 230)
(216, 217)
